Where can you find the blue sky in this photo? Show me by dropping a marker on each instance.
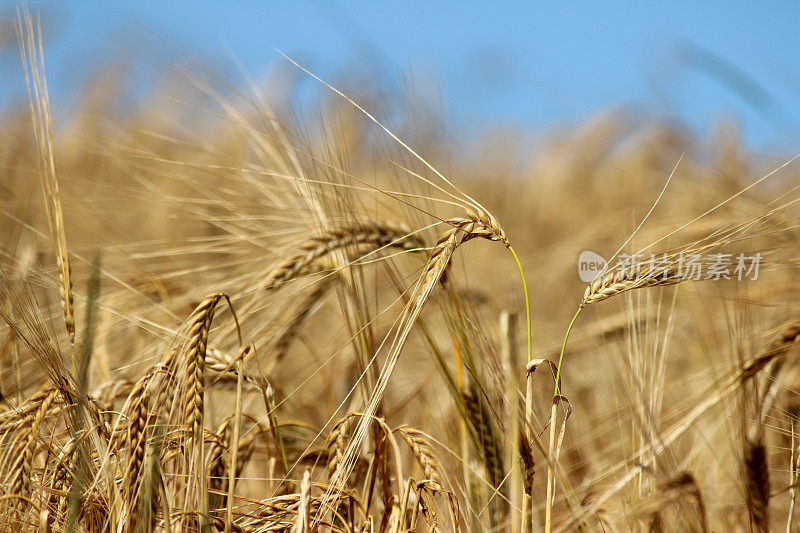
(531, 65)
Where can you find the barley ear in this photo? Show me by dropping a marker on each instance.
(30, 40)
(757, 484)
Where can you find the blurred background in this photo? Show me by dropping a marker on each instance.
(520, 66)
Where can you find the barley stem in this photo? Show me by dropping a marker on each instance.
(527, 303)
(553, 414)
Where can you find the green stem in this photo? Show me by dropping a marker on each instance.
(527, 303)
(528, 398)
(564, 349)
(551, 464)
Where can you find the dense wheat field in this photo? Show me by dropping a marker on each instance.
(222, 313)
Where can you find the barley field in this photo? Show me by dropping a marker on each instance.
(222, 313)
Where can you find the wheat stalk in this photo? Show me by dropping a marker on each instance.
(301, 524)
(477, 224)
(64, 469)
(30, 40)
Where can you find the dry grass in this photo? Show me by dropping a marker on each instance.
(367, 372)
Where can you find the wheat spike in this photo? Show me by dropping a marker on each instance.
(195, 363)
(625, 279)
(528, 464)
(61, 474)
(336, 444)
(491, 448)
(137, 447)
(30, 425)
(379, 234)
(757, 484)
(423, 452)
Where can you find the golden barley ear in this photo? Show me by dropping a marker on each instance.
(424, 454)
(336, 444)
(375, 234)
(136, 439)
(622, 280)
(195, 360)
(29, 436)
